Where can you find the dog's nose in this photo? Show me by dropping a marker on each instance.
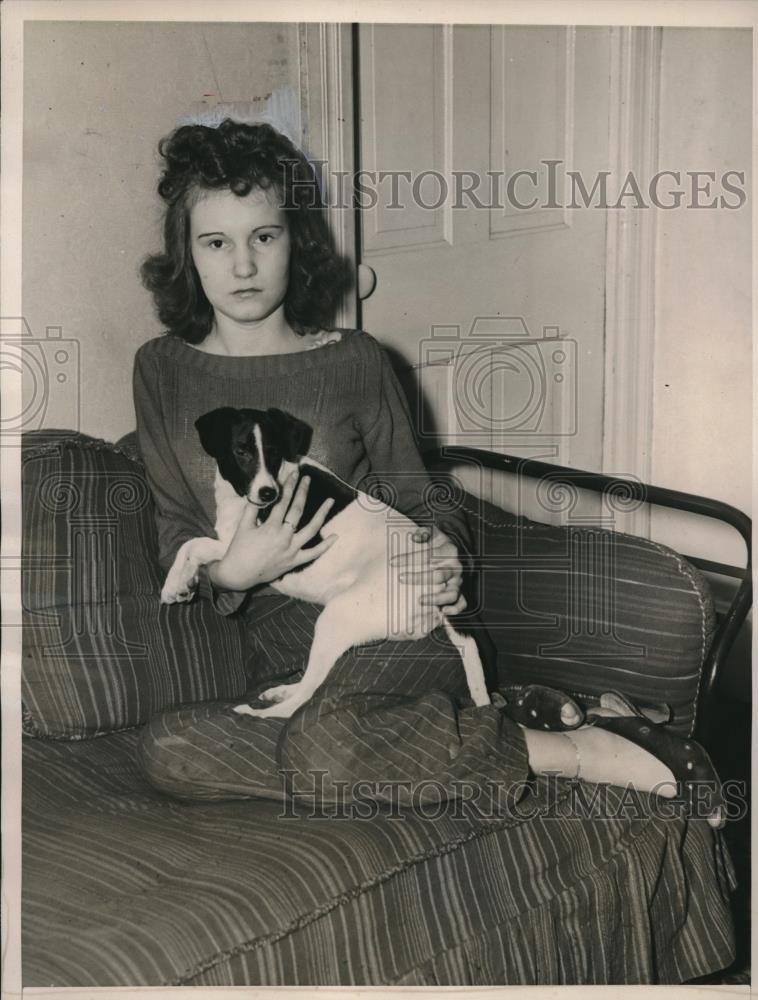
(267, 494)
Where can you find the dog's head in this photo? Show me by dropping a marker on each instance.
(251, 448)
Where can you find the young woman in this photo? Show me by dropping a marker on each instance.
(246, 288)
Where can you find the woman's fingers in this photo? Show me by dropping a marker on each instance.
(249, 517)
(451, 587)
(296, 508)
(437, 570)
(308, 555)
(315, 524)
(428, 543)
(439, 595)
(409, 560)
(455, 609)
(281, 507)
(433, 577)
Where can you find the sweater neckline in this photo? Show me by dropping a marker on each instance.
(243, 366)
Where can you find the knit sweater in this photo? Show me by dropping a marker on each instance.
(346, 391)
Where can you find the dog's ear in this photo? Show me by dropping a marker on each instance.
(294, 435)
(214, 429)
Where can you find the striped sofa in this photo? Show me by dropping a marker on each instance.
(124, 887)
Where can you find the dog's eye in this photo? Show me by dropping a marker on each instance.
(240, 452)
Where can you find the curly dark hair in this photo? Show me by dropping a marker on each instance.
(240, 157)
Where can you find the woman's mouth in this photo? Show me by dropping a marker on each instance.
(244, 292)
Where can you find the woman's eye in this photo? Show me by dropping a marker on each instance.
(265, 238)
(216, 244)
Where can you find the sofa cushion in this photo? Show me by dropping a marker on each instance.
(100, 652)
(125, 887)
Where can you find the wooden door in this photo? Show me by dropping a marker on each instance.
(490, 289)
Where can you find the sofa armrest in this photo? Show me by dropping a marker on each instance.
(717, 637)
(101, 653)
(128, 444)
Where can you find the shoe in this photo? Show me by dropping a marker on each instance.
(686, 759)
(537, 707)
(619, 704)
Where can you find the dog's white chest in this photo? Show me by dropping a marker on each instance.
(229, 509)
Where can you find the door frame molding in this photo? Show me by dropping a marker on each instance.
(635, 67)
(327, 108)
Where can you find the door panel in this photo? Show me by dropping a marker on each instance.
(405, 136)
(473, 273)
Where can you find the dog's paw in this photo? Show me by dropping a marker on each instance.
(283, 700)
(179, 588)
(323, 338)
(244, 710)
(282, 710)
(279, 693)
(171, 596)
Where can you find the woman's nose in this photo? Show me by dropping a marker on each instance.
(244, 264)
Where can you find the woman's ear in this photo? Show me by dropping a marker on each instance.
(294, 435)
(215, 428)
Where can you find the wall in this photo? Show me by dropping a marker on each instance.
(97, 98)
(702, 412)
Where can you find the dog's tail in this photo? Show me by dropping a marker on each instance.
(472, 664)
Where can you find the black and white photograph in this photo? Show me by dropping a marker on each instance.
(377, 448)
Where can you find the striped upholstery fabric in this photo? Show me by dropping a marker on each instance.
(588, 610)
(100, 651)
(125, 887)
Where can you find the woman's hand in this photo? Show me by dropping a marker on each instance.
(262, 553)
(436, 568)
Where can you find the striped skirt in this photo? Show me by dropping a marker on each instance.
(386, 725)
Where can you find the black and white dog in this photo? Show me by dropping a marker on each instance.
(256, 451)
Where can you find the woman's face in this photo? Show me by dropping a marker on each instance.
(241, 249)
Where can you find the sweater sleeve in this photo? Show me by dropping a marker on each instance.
(173, 504)
(395, 460)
